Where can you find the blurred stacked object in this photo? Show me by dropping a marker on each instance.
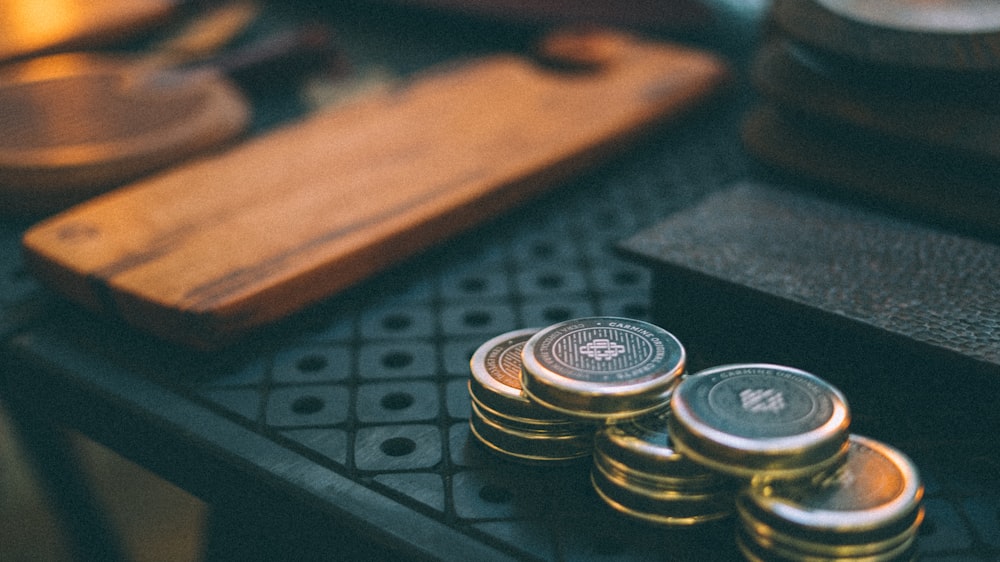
(891, 101)
(658, 14)
(31, 27)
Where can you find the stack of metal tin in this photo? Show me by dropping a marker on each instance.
(638, 472)
(766, 442)
(867, 509)
(812, 490)
(506, 421)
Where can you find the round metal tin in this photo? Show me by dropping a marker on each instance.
(643, 445)
(529, 446)
(601, 367)
(760, 421)
(552, 424)
(754, 551)
(869, 506)
(637, 472)
(662, 505)
(496, 377)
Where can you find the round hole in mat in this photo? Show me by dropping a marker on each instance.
(398, 446)
(477, 318)
(307, 405)
(625, 277)
(495, 494)
(550, 281)
(397, 322)
(397, 401)
(473, 285)
(543, 250)
(556, 314)
(311, 363)
(397, 359)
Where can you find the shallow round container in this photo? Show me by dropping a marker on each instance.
(552, 445)
(760, 421)
(637, 472)
(871, 506)
(496, 376)
(601, 367)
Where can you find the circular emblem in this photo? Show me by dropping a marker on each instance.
(763, 402)
(759, 420)
(601, 367)
(606, 350)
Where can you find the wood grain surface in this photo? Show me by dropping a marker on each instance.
(208, 251)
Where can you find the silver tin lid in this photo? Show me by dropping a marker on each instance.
(760, 421)
(602, 367)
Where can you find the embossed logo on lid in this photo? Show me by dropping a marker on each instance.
(601, 367)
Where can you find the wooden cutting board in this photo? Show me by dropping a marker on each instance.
(204, 253)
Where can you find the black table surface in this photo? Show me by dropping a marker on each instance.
(343, 432)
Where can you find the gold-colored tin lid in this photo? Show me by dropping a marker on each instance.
(664, 506)
(496, 377)
(529, 446)
(870, 504)
(601, 367)
(643, 445)
(760, 421)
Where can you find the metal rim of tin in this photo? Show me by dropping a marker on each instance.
(601, 367)
(760, 421)
(643, 445)
(754, 551)
(496, 377)
(667, 507)
(554, 425)
(643, 482)
(529, 446)
(836, 547)
(876, 495)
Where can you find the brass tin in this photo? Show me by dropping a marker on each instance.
(643, 445)
(871, 506)
(753, 551)
(506, 421)
(529, 446)
(760, 421)
(663, 506)
(637, 472)
(537, 424)
(496, 377)
(601, 367)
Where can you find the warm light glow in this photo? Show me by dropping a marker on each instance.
(28, 26)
